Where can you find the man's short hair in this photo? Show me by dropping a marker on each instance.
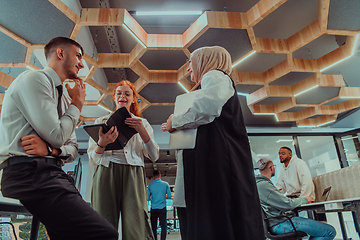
(61, 42)
(263, 163)
(286, 148)
(156, 173)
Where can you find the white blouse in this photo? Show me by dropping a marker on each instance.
(216, 90)
(134, 150)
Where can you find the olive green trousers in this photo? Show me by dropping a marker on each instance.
(122, 189)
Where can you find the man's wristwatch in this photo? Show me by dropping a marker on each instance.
(49, 148)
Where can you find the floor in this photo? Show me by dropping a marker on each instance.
(174, 235)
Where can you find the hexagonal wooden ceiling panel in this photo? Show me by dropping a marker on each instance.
(281, 51)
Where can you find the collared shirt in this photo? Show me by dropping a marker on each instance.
(157, 192)
(216, 90)
(295, 179)
(134, 150)
(30, 107)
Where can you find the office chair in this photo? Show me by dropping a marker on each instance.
(296, 235)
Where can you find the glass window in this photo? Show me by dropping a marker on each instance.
(319, 153)
(351, 148)
(268, 146)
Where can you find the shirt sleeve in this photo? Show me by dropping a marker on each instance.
(216, 90)
(70, 149)
(148, 194)
(307, 185)
(34, 98)
(151, 149)
(97, 158)
(277, 200)
(280, 185)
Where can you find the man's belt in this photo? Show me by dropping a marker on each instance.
(22, 159)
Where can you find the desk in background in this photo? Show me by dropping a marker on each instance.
(339, 206)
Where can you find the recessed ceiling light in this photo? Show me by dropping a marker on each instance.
(127, 28)
(242, 94)
(306, 90)
(167, 13)
(322, 124)
(245, 57)
(284, 140)
(183, 87)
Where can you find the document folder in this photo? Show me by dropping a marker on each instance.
(183, 139)
(116, 119)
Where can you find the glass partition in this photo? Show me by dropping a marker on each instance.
(351, 148)
(268, 146)
(319, 153)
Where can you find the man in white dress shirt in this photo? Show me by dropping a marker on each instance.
(37, 137)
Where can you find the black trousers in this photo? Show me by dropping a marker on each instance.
(49, 194)
(154, 215)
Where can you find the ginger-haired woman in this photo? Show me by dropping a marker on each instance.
(119, 184)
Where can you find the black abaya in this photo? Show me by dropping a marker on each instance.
(220, 190)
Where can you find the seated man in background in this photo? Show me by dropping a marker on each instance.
(294, 178)
(274, 203)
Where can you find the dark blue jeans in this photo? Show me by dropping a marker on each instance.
(315, 229)
(154, 215)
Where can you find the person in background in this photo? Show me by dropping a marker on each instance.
(274, 203)
(119, 184)
(37, 136)
(218, 195)
(157, 193)
(294, 178)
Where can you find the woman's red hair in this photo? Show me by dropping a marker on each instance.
(134, 108)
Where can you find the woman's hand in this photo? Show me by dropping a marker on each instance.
(164, 127)
(135, 123)
(169, 127)
(107, 138)
(138, 125)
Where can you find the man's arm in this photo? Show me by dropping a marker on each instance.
(148, 194)
(34, 145)
(280, 185)
(307, 185)
(273, 197)
(70, 149)
(35, 99)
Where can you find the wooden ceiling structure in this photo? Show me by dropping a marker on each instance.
(311, 114)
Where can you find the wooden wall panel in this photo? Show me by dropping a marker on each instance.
(165, 42)
(261, 10)
(102, 16)
(14, 36)
(163, 76)
(304, 36)
(65, 10)
(112, 60)
(271, 45)
(195, 30)
(141, 70)
(136, 54)
(226, 20)
(135, 27)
